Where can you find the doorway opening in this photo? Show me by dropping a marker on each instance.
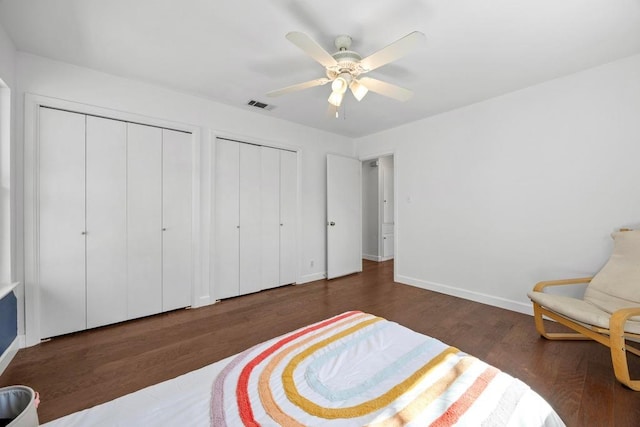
(378, 223)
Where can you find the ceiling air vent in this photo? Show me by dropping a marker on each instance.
(260, 105)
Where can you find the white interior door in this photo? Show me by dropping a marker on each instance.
(176, 219)
(61, 203)
(270, 206)
(144, 220)
(250, 219)
(106, 194)
(288, 211)
(227, 219)
(344, 216)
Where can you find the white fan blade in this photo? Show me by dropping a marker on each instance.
(386, 89)
(394, 51)
(299, 86)
(311, 48)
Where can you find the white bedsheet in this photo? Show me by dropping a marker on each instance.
(181, 401)
(358, 364)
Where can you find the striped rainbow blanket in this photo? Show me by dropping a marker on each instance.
(357, 369)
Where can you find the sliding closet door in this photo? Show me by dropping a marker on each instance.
(61, 222)
(176, 219)
(270, 207)
(255, 218)
(227, 219)
(250, 219)
(106, 205)
(144, 220)
(288, 209)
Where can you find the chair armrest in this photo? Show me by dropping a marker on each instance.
(541, 285)
(620, 317)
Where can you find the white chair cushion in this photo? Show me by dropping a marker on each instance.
(617, 285)
(580, 311)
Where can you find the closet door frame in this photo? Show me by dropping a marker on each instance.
(27, 167)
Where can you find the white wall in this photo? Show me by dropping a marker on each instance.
(491, 198)
(7, 86)
(10, 306)
(496, 196)
(41, 76)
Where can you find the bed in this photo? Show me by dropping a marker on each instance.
(353, 369)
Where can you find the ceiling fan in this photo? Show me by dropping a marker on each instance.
(345, 67)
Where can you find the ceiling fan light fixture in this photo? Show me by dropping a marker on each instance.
(337, 85)
(341, 83)
(358, 90)
(343, 67)
(336, 98)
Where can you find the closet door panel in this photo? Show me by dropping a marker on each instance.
(106, 216)
(227, 219)
(250, 219)
(61, 200)
(176, 211)
(270, 206)
(144, 220)
(288, 210)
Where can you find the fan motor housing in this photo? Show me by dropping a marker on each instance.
(348, 61)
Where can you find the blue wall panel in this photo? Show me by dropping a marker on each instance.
(8, 321)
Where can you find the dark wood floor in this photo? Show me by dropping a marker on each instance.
(84, 369)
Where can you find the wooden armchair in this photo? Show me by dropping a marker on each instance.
(610, 310)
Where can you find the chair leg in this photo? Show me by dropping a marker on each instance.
(619, 348)
(615, 339)
(538, 311)
(620, 364)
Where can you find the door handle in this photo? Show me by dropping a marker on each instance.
(332, 223)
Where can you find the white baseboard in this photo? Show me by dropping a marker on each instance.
(466, 294)
(311, 278)
(202, 301)
(8, 354)
(376, 258)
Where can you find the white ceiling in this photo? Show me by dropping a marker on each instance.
(234, 51)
